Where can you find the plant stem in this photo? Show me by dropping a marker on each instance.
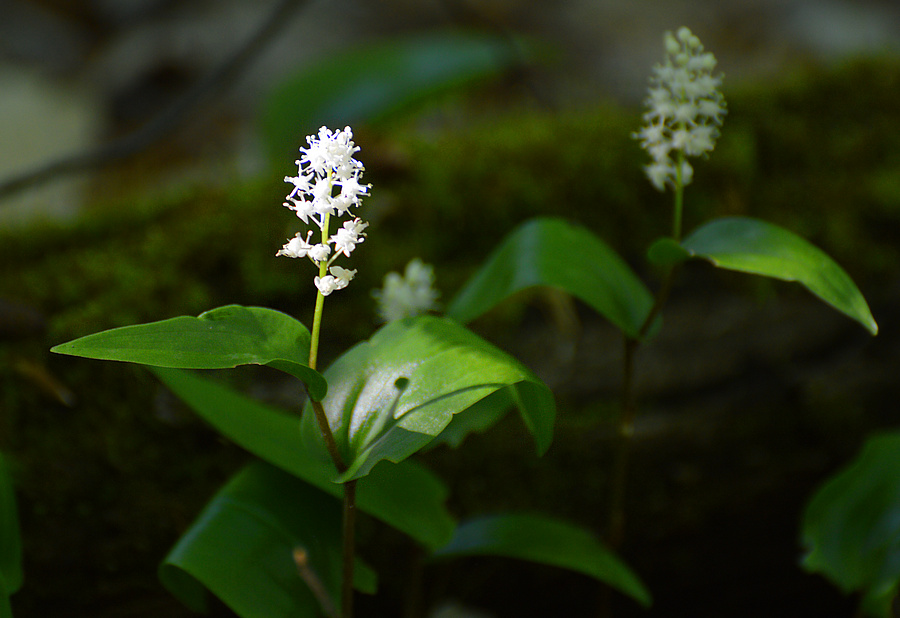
(318, 409)
(616, 530)
(320, 305)
(316, 329)
(349, 511)
(349, 516)
(348, 553)
(679, 198)
(349, 502)
(328, 436)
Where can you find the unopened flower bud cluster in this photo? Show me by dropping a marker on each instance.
(685, 109)
(409, 295)
(327, 185)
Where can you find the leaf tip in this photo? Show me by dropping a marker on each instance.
(872, 326)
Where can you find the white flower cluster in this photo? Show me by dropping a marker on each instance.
(685, 110)
(327, 185)
(409, 295)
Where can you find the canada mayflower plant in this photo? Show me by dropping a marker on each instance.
(327, 185)
(685, 109)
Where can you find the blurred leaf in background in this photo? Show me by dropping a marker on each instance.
(851, 527)
(372, 82)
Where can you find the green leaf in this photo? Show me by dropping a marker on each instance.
(374, 81)
(753, 246)
(10, 541)
(555, 253)
(667, 252)
(406, 496)
(218, 339)
(241, 548)
(544, 540)
(851, 526)
(478, 417)
(391, 395)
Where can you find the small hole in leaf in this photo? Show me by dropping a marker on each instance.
(401, 383)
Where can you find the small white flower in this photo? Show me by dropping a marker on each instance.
(301, 208)
(317, 156)
(684, 109)
(350, 235)
(685, 113)
(296, 247)
(659, 173)
(702, 139)
(680, 139)
(712, 109)
(408, 295)
(326, 284)
(351, 189)
(342, 276)
(300, 182)
(319, 252)
(687, 172)
(344, 242)
(340, 205)
(356, 226)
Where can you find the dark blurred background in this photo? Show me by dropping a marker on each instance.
(75, 73)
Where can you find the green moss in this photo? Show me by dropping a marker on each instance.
(479, 183)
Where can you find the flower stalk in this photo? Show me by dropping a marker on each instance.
(327, 186)
(684, 113)
(678, 209)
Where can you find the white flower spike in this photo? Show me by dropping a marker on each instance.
(409, 295)
(327, 185)
(685, 110)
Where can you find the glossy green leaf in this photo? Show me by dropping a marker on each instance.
(241, 548)
(10, 541)
(851, 527)
(373, 81)
(406, 496)
(218, 339)
(555, 253)
(544, 540)
(753, 246)
(391, 395)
